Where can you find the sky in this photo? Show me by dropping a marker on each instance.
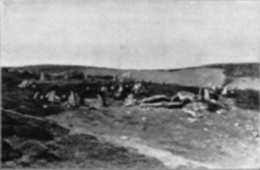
(136, 34)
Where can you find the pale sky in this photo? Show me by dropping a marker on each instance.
(139, 34)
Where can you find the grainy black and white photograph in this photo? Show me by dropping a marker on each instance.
(130, 85)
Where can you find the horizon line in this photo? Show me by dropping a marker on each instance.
(112, 68)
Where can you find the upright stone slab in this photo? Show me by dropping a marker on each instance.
(99, 102)
(71, 99)
(224, 91)
(51, 97)
(206, 94)
(42, 77)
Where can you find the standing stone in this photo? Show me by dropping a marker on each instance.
(200, 94)
(71, 99)
(42, 77)
(36, 95)
(47, 95)
(224, 91)
(119, 91)
(77, 99)
(66, 77)
(115, 78)
(99, 102)
(206, 94)
(51, 97)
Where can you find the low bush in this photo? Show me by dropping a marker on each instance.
(247, 99)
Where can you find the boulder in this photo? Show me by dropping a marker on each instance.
(184, 95)
(167, 105)
(42, 76)
(23, 84)
(130, 101)
(196, 109)
(156, 99)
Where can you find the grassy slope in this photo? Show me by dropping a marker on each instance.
(217, 74)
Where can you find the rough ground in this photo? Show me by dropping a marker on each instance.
(216, 142)
(117, 137)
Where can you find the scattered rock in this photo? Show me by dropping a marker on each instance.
(220, 111)
(124, 137)
(196, 109)
(255, 134)
(191, 120)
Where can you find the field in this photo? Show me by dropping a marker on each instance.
(116, 136)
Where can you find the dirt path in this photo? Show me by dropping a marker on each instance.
(167, 158)
(239, 156)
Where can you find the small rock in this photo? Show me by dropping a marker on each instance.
(191, 120)
(205, 129)
(10, 164)
(236, 124)
(25, 159)
(124, 137)
(255, 134)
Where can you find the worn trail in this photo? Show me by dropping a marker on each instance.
(167, 158)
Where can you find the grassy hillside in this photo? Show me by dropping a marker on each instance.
(217, 74)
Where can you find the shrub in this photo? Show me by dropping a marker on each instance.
(247, 99)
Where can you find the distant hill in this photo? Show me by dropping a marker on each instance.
(215, 74)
